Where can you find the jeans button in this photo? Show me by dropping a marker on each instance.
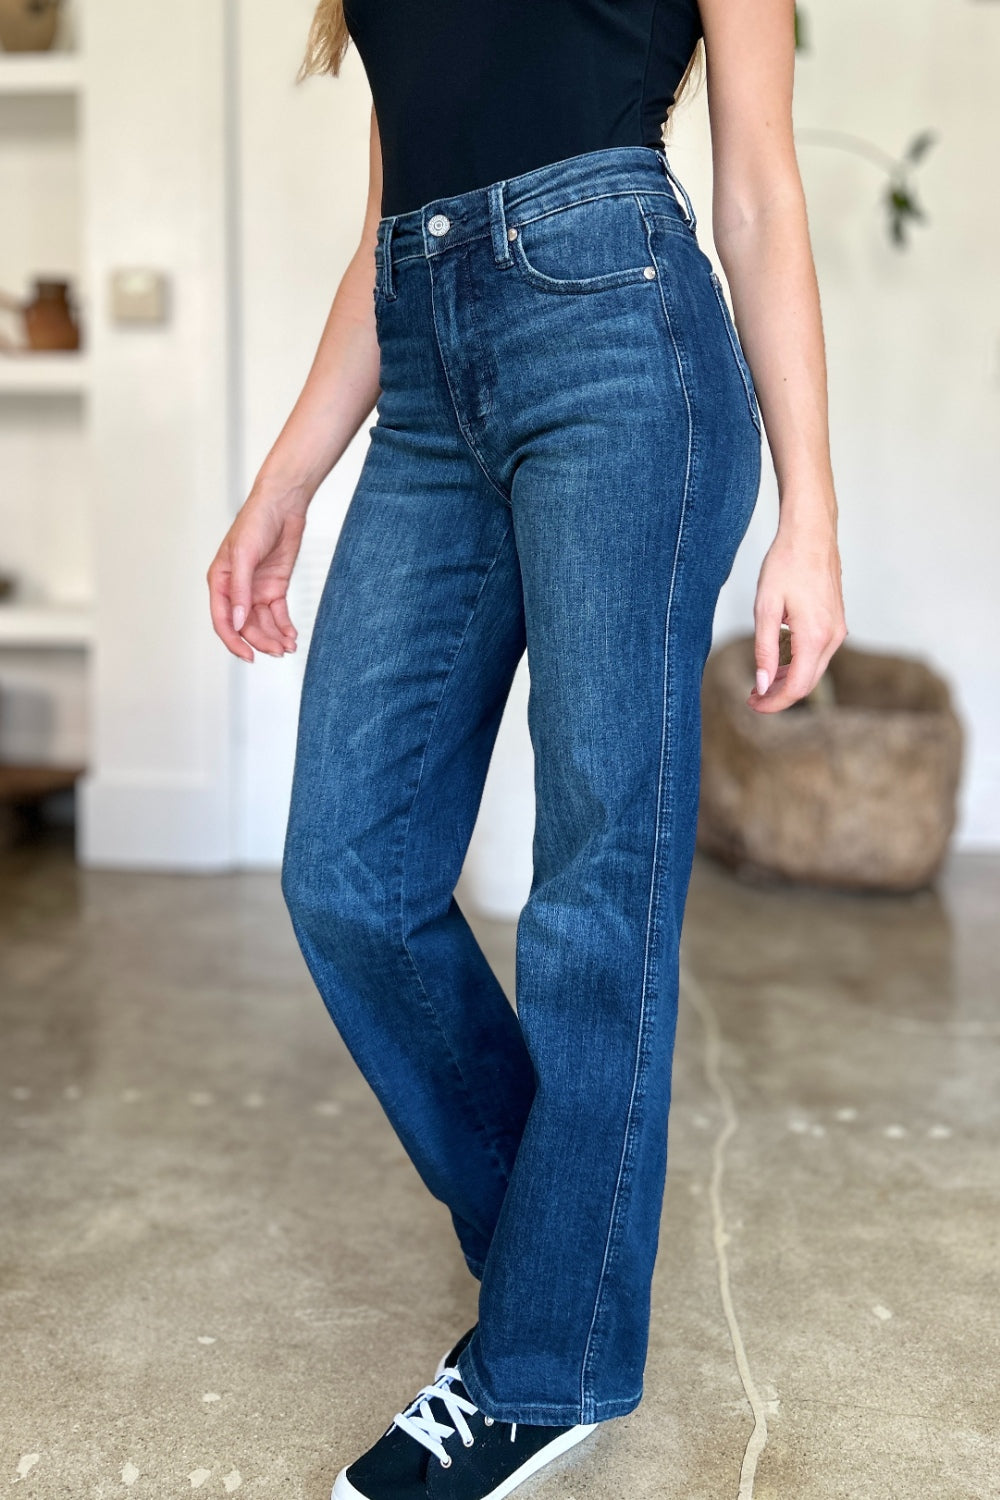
(439, 225)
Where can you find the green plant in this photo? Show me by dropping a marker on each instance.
(801, 45)
(899, 197)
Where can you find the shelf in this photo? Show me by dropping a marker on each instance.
(45, 625)
(37, 373)
(40, 73)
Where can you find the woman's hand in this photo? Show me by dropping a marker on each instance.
(249, 576)
(799, 586)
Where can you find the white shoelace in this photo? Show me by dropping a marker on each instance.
(425, 1428)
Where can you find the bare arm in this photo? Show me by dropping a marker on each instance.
(762, 237)
(249, 575)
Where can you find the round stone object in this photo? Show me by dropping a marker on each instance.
(854, 786)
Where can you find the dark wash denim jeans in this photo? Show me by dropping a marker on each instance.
(565, 459)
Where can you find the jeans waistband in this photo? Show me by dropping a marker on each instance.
(445, 223)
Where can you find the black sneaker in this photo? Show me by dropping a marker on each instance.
(442, 1447)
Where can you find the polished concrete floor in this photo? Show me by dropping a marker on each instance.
(219, 1272)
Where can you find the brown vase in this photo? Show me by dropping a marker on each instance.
(28, 25)
(49, 321)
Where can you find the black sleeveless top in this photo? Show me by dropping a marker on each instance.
(470, 91)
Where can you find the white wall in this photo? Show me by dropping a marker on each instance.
(156, 182)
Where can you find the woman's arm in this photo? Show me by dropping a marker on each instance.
(248, 578)
(762, 237)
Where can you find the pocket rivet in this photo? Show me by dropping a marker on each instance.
(512, 234)
(649, 272)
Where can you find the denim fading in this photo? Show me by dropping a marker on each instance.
(565, 458)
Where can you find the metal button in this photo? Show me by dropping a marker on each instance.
(649, 272)
(439, 225)
(512, 234)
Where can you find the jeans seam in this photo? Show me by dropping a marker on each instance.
(540, 1412)
(454, 404)
(481, 363)
(670, 223)
(652, 908)
(738, 355)
(622, 192)
(474, 1113)
(577, 286)
(454, 242)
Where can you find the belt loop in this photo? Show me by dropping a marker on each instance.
(498, 224)
(679, 188)
(386, 227)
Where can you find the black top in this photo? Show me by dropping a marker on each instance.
(467, 92)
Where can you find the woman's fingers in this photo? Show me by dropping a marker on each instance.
(261, 631)
(243, 561)
(220, 607)
(798, 586)
(768, 617)
(248, 583)
(279, 609)
(811, 650)
(803, 669)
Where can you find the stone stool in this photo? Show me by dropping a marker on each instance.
(854, 786)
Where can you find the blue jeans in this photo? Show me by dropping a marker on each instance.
(565, 459)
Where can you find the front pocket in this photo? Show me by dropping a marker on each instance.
(740, 357)
(585, 246)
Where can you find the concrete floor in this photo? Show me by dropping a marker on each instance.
(219, 1272)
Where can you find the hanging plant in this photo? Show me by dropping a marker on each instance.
(899, 198)
(801, 44)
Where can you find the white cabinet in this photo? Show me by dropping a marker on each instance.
(116, 462)
(45, 448)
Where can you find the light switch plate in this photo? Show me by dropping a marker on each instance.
(138, 295)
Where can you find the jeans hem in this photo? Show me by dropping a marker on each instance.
(540, 1413)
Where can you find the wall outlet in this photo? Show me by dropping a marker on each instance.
(138, 295)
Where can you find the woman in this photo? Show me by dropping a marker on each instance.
(565, 459)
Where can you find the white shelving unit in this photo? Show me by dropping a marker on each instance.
(40, 72)
(46, 626)
(44, 415)
(36, 373)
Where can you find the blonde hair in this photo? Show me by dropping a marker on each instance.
(695, 70)
(329, 38)
(327, 41)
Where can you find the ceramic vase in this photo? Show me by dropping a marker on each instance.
(28, 25)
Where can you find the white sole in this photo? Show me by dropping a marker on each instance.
(343, 1489)
(561, 1444)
